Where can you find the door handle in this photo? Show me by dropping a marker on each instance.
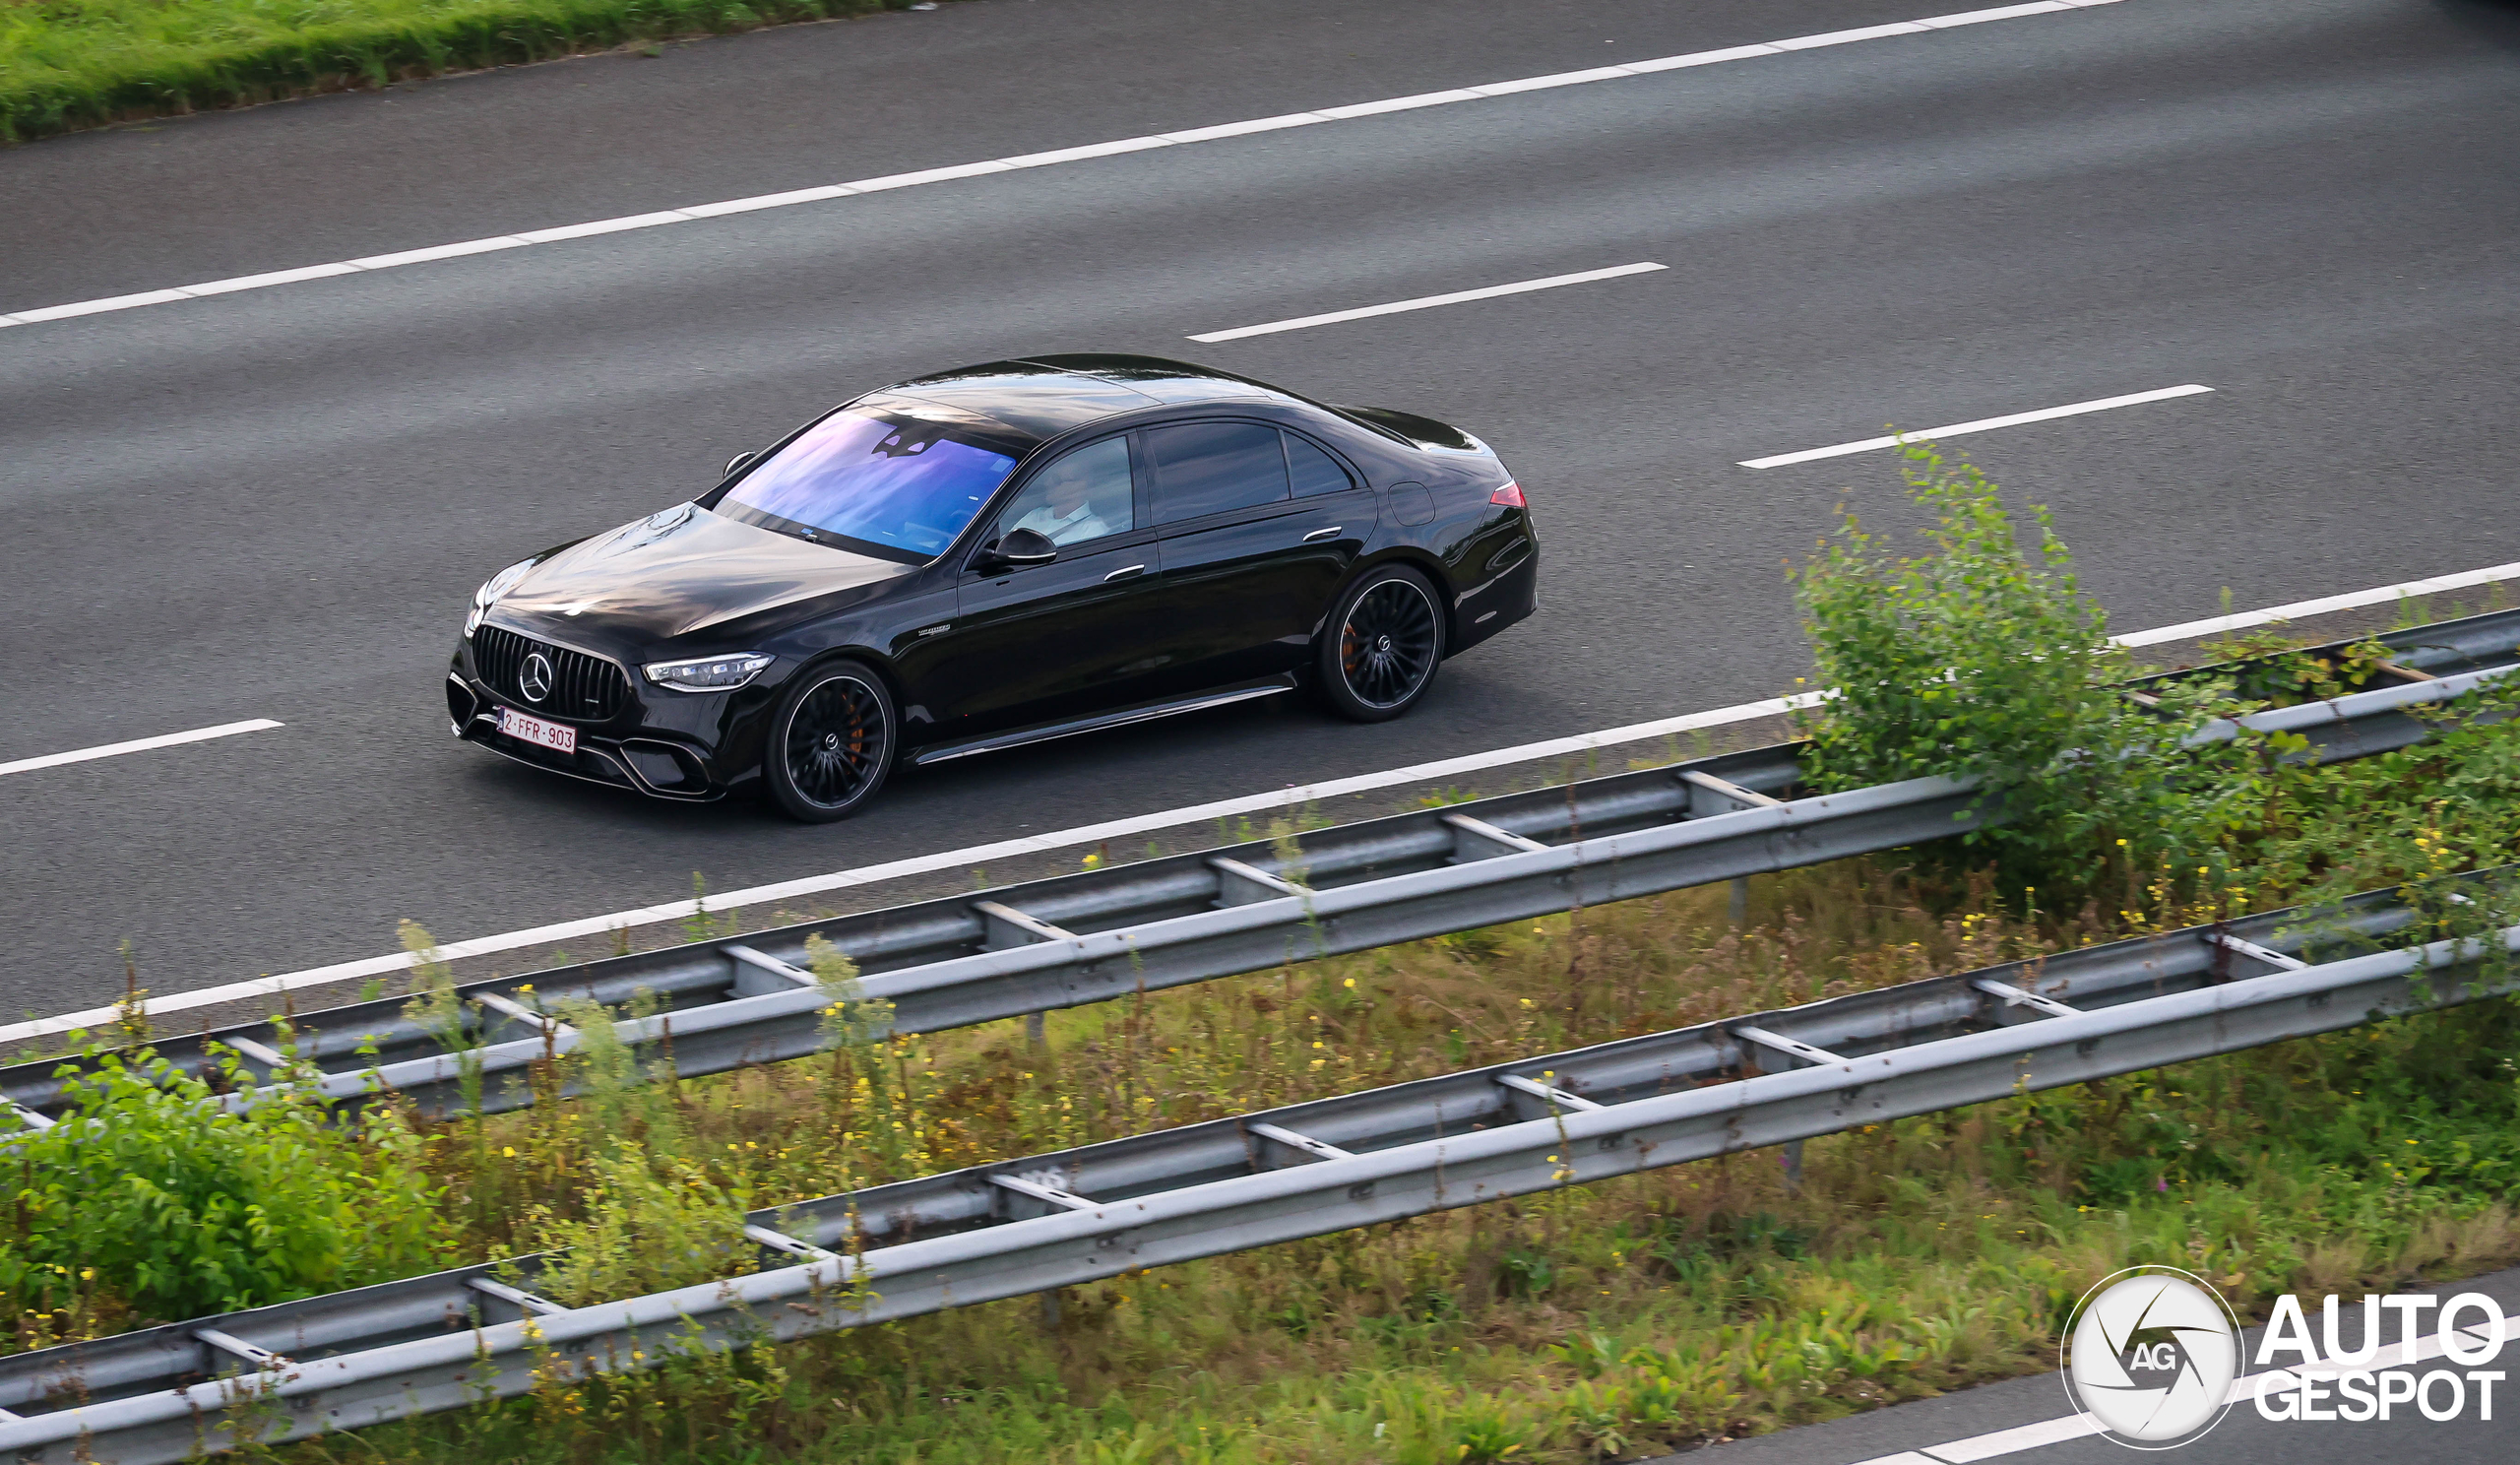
(1122, 573)
(1321, 533)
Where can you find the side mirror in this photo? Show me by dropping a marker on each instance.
(735, 465)
(1020, 550)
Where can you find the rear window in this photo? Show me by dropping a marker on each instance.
(1315, 470)
(1209, 468)
(895, 487)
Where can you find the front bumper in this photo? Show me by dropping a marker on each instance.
(627, 750)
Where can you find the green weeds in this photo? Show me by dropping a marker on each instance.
(1672, 1307)
(149, 1199)
(1657, 1311)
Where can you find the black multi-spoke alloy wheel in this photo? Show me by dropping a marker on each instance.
(1381, 645)
(831, 743)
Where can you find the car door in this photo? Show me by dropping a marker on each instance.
(1335, 514)
(1249, 565)
(1041, 642)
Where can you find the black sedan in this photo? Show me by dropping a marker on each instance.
(993, 556)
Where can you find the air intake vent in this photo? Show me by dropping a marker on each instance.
(583, 689)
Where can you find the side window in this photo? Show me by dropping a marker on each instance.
(1315, 470)
(1083, 495)
(1208, 468)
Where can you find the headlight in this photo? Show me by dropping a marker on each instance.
(709, 674)
(491, 589)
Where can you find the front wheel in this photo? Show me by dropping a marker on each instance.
(831, 742)
(1380, 646)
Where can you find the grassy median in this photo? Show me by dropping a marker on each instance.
(1698, 1302)
(69, 64)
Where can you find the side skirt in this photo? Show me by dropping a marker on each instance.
(1144, 712)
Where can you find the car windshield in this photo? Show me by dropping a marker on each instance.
(895, 487)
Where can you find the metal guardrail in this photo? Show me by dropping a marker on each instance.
(1072, 939)
(1002, 1229)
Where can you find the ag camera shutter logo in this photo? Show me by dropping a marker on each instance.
(2151, 1356)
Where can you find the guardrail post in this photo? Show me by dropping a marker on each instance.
(1801, 1054)
(1240, 884)
(1477, 839)
(1709, 794)
(757, 973)
(1007, 926)
(1052, 1196)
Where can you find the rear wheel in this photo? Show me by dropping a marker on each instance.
(1379, 650)
(831, 742)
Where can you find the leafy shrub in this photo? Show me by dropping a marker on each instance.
(151, 1191)
(2404, 817)
(1981, 658)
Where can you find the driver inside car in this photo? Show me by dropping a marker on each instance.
(1072, 502)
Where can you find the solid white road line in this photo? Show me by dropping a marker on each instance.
(2412, 590)
(2008, 1441)
(1955, 429)
(137, 745)
(1094, 834)
(797, 195)
(1428, 302)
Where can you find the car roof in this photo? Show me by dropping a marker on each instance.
(1042, 397)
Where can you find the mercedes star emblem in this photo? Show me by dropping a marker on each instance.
(536, 680)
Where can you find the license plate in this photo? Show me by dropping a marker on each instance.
(557, 737)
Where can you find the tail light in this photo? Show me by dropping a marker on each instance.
(1510, 497)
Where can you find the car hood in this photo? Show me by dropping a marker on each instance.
(644, 583)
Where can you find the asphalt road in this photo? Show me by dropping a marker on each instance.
(273, 504)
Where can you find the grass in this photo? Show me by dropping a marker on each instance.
(69, 64)
(1698, 1302)
(1704, 1302)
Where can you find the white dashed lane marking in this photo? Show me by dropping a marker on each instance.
(793, 197)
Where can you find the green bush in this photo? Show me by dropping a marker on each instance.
(1980, 657)
(2404, 817)
(150, 1193)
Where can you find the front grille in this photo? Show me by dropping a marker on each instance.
(582, 688)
